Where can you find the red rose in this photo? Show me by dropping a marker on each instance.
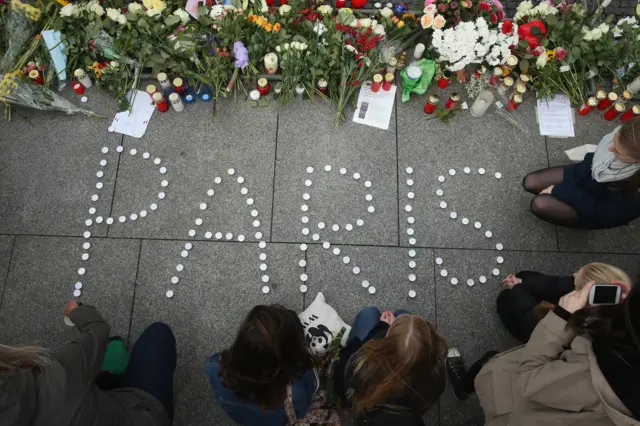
(561, 53)
(501, 15)
(484, 7)
(494, 18)
(507, 27)
(525, 33)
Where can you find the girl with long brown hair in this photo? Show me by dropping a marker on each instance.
(602, 191)
(250, 380)
(392, 369)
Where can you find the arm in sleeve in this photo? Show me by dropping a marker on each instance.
(83, 357)
(540, 360)
(546, 287)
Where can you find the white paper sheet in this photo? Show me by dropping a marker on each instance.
(134, 122)
(56, 50)
(374, 108)
(555, 117)
(578, 153)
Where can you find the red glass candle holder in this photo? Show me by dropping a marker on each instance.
(263, 87)
(178, 85)
(36, 76)
(388, 82)
(78, 88)
(495, 77)
(340, 4)
(161, 104)
(444, 80)
(452, 102)
(358, 4)
(431, 104)
(632, 113)
(376, 84)
(514, 102)
(608, 101)
(587, 106)
(614, 111)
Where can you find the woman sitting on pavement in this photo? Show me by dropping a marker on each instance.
(38, 388)
(530, 295)
(580, 367)
(267, 364)
(602, 191)
(392, 369)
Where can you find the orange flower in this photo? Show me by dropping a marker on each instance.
(268, 28)
(276, 27)
(251, 18)
(262, 21)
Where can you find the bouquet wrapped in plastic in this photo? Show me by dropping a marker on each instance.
(21, 23)
(15, 91)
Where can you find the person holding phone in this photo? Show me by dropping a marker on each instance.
(580, 367)
(529, 295)
(602, 191)
(38, 388)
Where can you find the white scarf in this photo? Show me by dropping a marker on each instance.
(606, 166)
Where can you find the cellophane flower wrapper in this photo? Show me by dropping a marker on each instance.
(21, 23)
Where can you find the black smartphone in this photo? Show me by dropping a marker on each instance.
(605, 294)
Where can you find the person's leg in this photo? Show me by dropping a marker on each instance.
(542, 179)
(152, 363)
(552, 210)
(462, 380)
(365, 321)
(401, 312)
(518, 316)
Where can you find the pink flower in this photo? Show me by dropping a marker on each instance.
(442, 7)
(428, 2)
(497, 4)
(484, 7)
(538, 51)
(465, 3)
(432, 9)
(494, 18)
(500, 15)
(561, 53)
(453, 5)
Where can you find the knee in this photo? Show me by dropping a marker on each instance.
(369, 311)
(539, 204)
(528, 184)
(503, 301)
(161, 330)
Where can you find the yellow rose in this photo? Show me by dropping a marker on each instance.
(159, 4)
(400, 24)
(268, 28)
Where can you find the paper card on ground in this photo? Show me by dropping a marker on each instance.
(56, 50)
(134, 122)
(374, 108)
(192, 8)
(555, 117)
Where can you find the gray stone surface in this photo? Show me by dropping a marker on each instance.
(6, 249)
(306, 137)
(432, 148)
(41, 280)
(195, 149)
(467, 315)
(217, 288)
(589, 130)
(48, 169)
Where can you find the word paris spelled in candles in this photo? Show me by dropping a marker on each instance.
(319, 233)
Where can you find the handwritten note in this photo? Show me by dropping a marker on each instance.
(555, 117)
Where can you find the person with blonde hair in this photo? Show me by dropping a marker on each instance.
(38, 388)
(392, 369)
(528, 295)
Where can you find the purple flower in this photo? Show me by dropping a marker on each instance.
(241, 54)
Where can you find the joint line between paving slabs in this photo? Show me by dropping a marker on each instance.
(397, 172)
(273, 184)
(546, 147)
(435, 308)
(115, 183)
(6, 277)
(133, 299)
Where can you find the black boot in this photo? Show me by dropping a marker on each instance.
(457, 375)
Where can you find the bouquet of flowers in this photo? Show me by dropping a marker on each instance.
(21, 23)
(475, 43)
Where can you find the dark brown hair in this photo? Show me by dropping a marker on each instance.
(269, 351)
(408, 363)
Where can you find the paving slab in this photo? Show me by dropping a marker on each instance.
(307, 138)
(467, 315)
(590, 130)
(195, 148)
(387, 269)
(220, 283)
(6, 249)
(48, 168)
(41, 280)
(432, 148)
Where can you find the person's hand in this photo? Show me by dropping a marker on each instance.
(625, 289)
(510, 281)
(388, 317)
(70, 306)
(547, 191)
(577, 299)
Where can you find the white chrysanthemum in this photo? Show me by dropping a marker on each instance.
(325, 9)
(524, 6)
(319, 28)
(284, 9)
(541, 61)
(70, 10)
(134, 7)
(216, 11)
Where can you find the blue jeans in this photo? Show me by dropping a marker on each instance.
(366, 321)
(152, 363)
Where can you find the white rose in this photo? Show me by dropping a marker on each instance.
(541, 61)
(439, 22)
(524, 6)
(113, 14)
(153, 12)
(596, 34)
(284, 9)
(565, 68)
(69, 10)
(350, 48)
(365, 23)
(278, 49)
(183, 15)
(114, 64)
(286, 46)
(95, 8)
(430, 8)
(304, 46)
(379, 30)
(386, 12)
(134, 7)
(604, 28)
(325, 9)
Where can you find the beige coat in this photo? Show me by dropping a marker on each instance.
(543, 383)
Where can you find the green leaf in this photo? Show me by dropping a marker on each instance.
(545, 42)
(131, 17)
(171, 20)
(524, 65)
(551, 21)
(202, 11)
(205, 20)
(575, 51)
(560, 25)
(609, 19)
(535, 31)
(523, 43)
